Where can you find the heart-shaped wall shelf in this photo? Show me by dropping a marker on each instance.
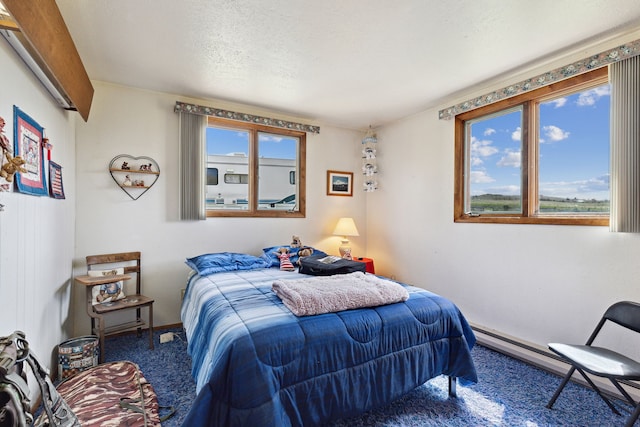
(134, 175)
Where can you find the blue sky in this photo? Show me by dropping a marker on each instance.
(232, 141)
(574, 149)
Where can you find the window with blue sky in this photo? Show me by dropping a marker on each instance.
(546, 155)
(256, 169)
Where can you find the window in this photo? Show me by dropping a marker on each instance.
(212, 176)
(540, 157)
(236, 178)
(260, 165)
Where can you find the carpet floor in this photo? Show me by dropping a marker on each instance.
(509, 392)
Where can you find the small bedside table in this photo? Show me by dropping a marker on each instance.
(369, 262)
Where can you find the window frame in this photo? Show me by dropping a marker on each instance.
(252, 210)
(529, 156)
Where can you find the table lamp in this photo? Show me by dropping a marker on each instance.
(345, 227)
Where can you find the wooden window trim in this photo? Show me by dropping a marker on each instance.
(529, 101)
(253, 211)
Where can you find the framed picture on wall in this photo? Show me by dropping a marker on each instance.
(27, 143)
(339, 183)
(56, 190)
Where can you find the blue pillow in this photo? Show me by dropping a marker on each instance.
(225, 261)
(269, 254)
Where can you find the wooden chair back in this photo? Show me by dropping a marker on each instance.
(131, 258)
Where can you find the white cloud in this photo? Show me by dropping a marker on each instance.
(591, 188)
(476, 161)
(482, 148)
(554, 133)
(590, 97)
(511, 158)
(598, 183)
(489, 131)
(480, 177)
(509, 190)
(558, 103)
(517, 134)
(269, 137)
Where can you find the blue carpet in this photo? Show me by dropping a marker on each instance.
(508, 393)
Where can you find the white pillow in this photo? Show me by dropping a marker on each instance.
(109, 292)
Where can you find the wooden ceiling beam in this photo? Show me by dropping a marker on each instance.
(8, 24)
(52, 48)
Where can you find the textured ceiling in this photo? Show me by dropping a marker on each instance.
(348, 63)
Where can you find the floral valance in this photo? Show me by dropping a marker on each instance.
(579, 67)
(182, 107)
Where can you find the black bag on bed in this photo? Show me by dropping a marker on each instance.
(322, 266)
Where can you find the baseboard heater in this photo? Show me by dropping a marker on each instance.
(544, 359)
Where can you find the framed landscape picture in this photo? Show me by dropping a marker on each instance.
(27, 143)
(339, 183)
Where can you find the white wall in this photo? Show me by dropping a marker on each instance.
(538, 283)
(37, 233)
(142, 123)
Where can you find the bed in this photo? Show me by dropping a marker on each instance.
(256, 363)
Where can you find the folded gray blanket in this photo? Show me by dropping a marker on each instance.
(328, 294)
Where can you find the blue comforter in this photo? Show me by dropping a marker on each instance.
(257, 364)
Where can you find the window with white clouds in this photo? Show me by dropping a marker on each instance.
(250, 169)
(541, 157)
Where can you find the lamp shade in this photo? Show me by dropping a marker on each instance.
(346, 227)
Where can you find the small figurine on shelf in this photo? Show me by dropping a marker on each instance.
(143, 167)
(127, 181)
(149, 167)
(125, 166)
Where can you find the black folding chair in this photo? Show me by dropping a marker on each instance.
(603, 362)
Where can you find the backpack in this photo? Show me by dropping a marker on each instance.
(15, 403)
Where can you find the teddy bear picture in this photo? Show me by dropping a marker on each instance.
(107, 293)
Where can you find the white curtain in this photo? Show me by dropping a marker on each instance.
(192, 166)
(624, 77)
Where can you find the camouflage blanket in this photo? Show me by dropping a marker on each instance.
(109, 395)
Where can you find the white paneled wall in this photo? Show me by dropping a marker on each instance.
(37, 234)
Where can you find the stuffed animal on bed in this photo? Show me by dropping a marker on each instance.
(285, 259)
(303, 252)
(295, 242)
